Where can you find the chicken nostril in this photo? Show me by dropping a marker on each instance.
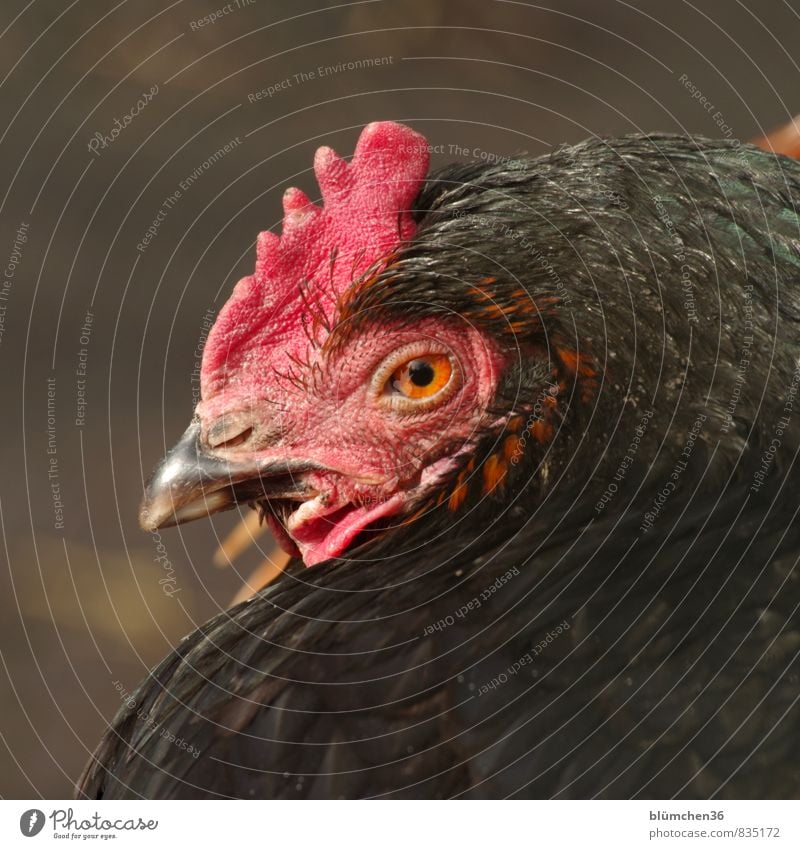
(239, 439)
(228, 433)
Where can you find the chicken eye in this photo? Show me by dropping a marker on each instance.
(416, 377)
(422, 377)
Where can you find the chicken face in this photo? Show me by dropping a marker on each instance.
(333, 420)
(377, 424)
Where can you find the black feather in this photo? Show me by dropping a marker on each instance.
(598, 626)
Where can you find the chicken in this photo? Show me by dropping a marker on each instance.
(529, 431)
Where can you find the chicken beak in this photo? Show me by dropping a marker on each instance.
(190, 483)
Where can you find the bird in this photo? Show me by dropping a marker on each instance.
(528, 431)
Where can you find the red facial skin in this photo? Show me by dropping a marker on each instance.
(271, 388)
(382, 460)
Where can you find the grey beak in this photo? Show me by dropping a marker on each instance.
(190, 482)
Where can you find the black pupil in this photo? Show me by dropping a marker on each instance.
(420, 372)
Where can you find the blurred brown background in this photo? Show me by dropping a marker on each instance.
(83, 591)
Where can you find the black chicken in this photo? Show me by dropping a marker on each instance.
(537, 441)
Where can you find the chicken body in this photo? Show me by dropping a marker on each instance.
(600, 598)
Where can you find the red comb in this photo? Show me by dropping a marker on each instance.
(321, 251)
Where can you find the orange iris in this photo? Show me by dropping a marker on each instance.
(422, 377)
